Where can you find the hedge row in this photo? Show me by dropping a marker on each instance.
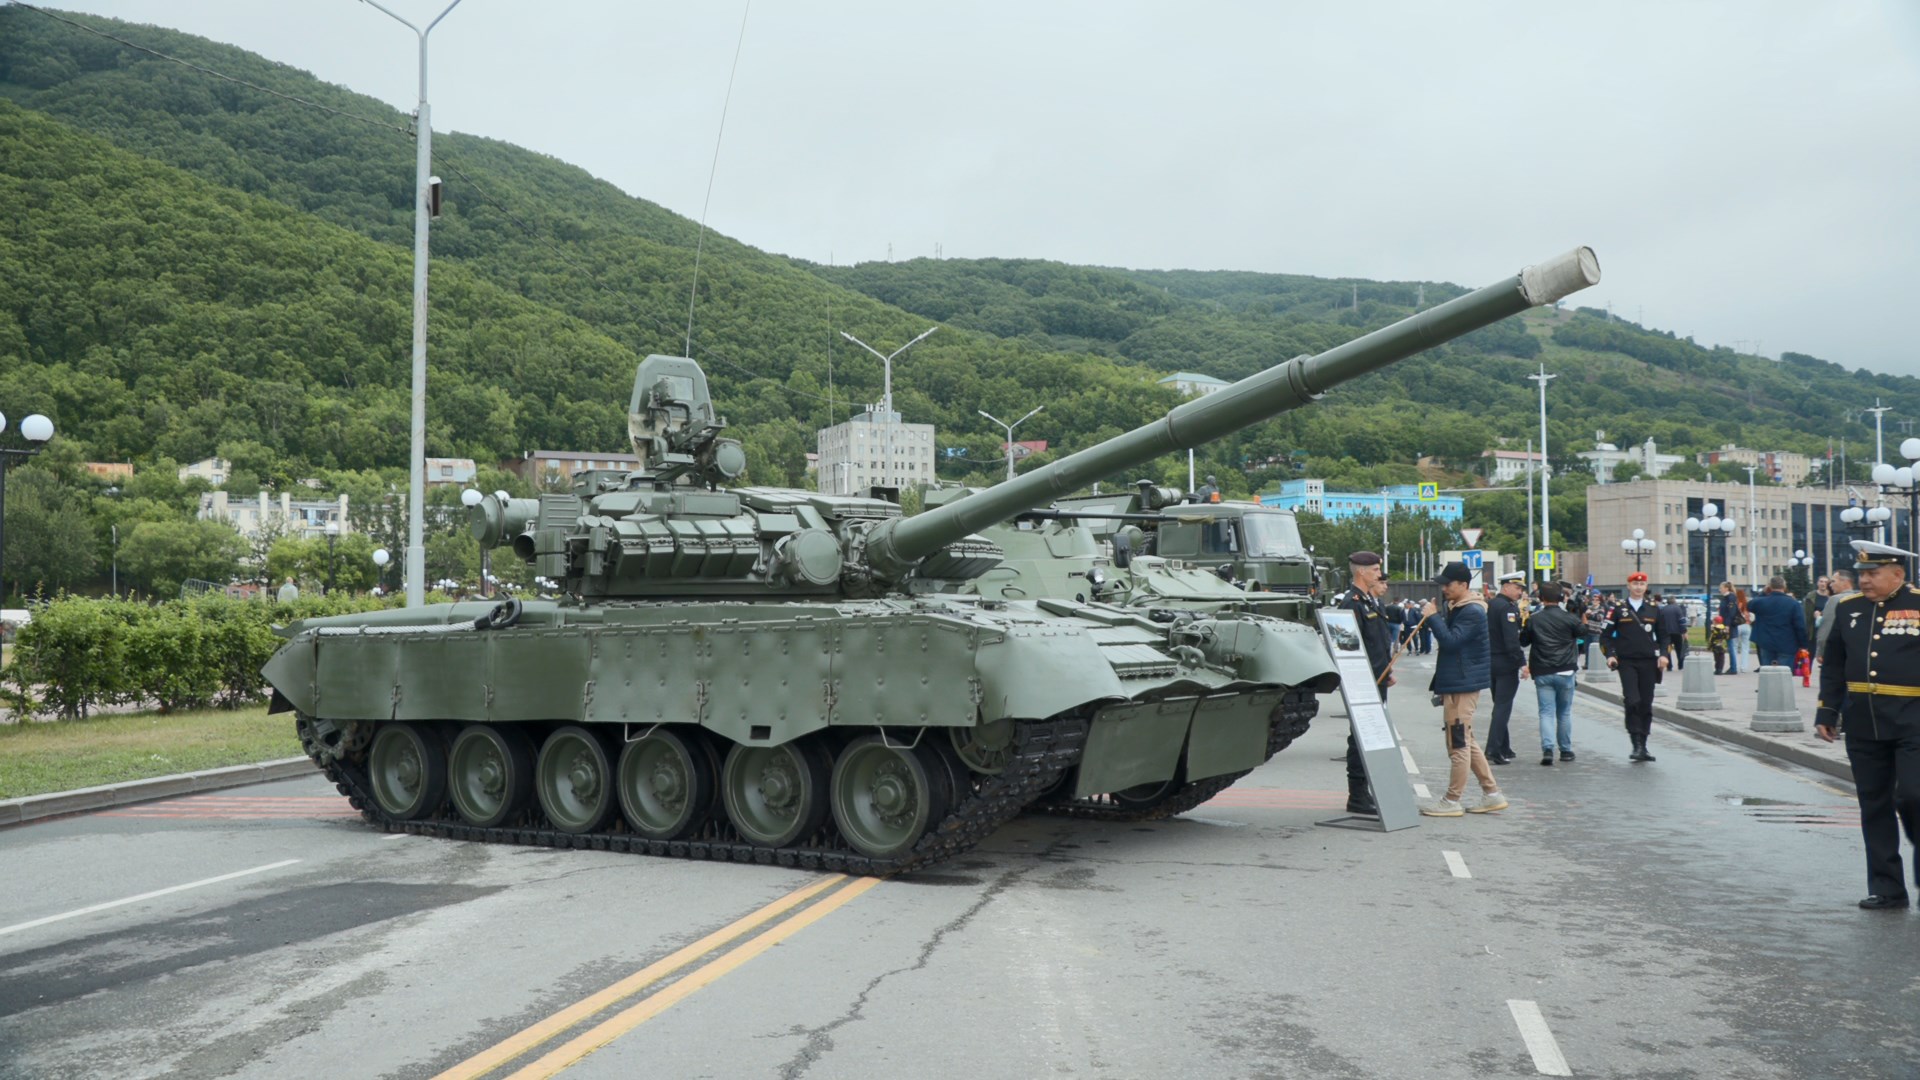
(79, 653)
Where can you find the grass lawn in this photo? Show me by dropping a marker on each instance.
(36, 758)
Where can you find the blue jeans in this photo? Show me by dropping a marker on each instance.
(1555, 694)
(1776, 658)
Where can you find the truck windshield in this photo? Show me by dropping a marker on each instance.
(1273, 536)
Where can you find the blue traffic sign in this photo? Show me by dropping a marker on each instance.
(1474, 558)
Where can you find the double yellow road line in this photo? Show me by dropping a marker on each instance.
(593, 1038)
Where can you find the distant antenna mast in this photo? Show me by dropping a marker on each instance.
(693, 293)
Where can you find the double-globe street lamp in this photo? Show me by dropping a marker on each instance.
(1901, 480)
(1711, 525)
(1638, 546)
(36, 430)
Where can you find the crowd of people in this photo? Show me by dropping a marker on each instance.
(1488, 640)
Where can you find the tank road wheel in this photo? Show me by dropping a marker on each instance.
(490, 773)
(985, 748)
(886, 797)
(575, 780)
(775, 795)
(408, 767)
(666, 784)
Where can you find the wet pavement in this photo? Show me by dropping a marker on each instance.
(1689, 917)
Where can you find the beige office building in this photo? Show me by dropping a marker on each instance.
(874, 449)
(1770, 525)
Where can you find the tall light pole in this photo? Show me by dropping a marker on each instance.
(1638, 546)
(333, 533)
(1710, 527)
(1546, 510)
(423, 209)
(1010, 428)
(886, 363)
(471, 498)
(1530, 544)
(1901, 480)
(36, 429)
(1753, 534)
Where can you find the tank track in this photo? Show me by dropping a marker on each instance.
(1043, 751)
(1290, 721)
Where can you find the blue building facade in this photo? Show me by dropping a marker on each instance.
(1312, 495)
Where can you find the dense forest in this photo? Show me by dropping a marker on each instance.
(197, 266)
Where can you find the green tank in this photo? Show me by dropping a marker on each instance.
(779, 676)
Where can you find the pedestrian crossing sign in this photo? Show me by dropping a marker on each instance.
(1429, 492)
(1543, 559)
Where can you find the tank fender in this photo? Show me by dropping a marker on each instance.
(1262, 649)
(1038, 671)
(290, 672)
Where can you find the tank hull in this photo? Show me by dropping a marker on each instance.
(1051, 704)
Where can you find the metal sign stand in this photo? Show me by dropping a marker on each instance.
(1379, 751)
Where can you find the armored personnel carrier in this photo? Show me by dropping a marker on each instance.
(780, 676)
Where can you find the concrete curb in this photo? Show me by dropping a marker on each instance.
(1732, 733)
(35, 807)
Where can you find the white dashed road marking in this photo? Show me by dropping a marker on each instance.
(1421, 791)
(1407, 756)
(1547, 1059)
(1456, 864)
(144, 896)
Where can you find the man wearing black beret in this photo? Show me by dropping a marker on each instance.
(1376, 632)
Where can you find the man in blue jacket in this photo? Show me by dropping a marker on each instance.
(1779, 625)
(1460, 673)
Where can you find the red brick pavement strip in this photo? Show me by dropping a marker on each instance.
(106, 796)
(241, 808)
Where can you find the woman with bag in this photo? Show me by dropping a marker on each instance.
(1733, 615)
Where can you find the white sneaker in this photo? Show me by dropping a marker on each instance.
(1443, 808)
(1488, 803)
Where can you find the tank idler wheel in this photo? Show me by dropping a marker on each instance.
(986, 748)
(575, 781)
(490, 773)
(886, 796)
(776, 795)
(408, 766)
(667, 783)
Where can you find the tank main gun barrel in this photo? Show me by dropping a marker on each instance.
(895, 546)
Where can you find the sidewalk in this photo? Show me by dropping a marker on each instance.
(55, 803)
(1732, 722)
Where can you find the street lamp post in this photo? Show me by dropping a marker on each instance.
(1901, 480)
(1638, 546)
(333, 533)
(886, 393)
(115, 530)
(423, 209)
(1546, 512)
(1710, 527)
(471, 498)
(1753, 535)
(36, 430)
(1010, 428)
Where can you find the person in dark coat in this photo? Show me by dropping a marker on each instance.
(1632, 646)
(1870, 687)
(1733, 618)
(1377, 634)
(1779, 625)
(1673, 626)
(1552, 636)
(1460, 673)
(1506, 614)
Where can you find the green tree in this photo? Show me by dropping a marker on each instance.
(160, 555)
(50, 537)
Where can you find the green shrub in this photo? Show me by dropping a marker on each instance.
(79, 653)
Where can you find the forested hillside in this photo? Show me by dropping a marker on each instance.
(198, 266)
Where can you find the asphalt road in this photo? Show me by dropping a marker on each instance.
(1691, 917)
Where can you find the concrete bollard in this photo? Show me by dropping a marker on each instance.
(1698, 691)
(1596, 665)
(1776, 710)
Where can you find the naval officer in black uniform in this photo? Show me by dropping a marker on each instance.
(1870, 689)
(1633, 647)
(1376, 632)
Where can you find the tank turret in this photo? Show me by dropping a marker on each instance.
(669, 529)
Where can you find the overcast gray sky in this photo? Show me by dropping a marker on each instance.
(1745, 170)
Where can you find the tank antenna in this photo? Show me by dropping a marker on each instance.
(693, 293)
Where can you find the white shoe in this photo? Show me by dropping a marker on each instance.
(1443, 808)
(1488, 803)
